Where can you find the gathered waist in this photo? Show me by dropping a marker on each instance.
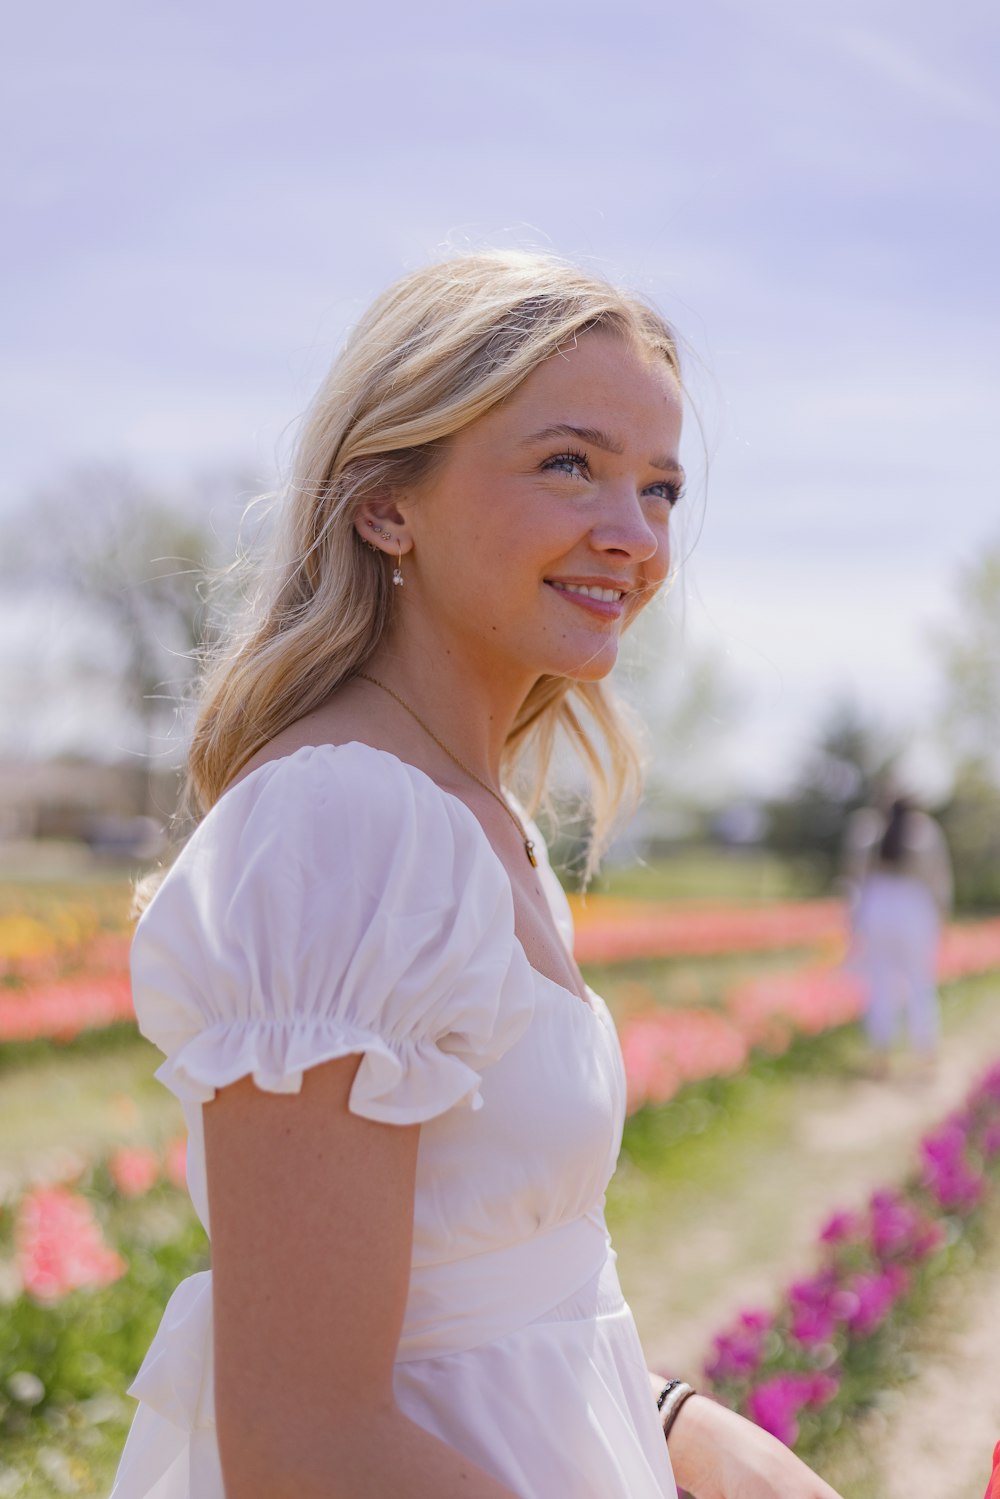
(452, 1307)
(461, 1304)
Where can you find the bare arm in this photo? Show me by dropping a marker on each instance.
(717, 1454)
(312, 1220)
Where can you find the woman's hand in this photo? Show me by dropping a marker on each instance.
(717, 1454)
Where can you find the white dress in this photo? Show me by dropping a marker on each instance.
(337, 902)
(896, 914)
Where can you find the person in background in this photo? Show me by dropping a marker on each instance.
(900, 887)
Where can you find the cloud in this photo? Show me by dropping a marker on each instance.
(927, 84)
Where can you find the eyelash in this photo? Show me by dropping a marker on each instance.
(673, 493)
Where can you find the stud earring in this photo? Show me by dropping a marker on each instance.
(376, 527)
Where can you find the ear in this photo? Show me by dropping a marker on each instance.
(381, 522)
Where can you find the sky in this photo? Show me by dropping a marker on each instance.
(205, 197)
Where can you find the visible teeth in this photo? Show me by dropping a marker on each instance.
(609, 595)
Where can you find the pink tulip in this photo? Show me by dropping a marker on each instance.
(841, 1228)
(60, 1247)
(134, 1170)
(671, 1047)
(62, 1009)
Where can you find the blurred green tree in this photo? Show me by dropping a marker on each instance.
(969, 653)
(971, 822)
(847, 768)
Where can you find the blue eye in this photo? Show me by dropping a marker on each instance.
(672, 492)
(568, 463)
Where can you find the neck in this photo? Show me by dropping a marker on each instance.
(470, 705)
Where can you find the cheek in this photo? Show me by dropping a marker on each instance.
(658, 566)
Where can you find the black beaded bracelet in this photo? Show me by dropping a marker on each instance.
(671, 1384)
(670, 1400)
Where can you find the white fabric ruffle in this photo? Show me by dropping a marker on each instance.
(307, 920)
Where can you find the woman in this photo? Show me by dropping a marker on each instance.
(900, 882)
(403, 1103)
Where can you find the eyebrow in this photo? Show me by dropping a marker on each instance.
(597, 439)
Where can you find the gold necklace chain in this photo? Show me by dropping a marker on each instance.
(529, 847)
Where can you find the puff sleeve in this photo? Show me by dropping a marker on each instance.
(335, 902)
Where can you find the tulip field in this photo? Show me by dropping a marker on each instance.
(726, 1010)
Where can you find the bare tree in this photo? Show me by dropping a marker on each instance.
(135, 561)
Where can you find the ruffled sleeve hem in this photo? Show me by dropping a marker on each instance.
(406, 1081)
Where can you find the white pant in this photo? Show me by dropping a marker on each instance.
(896, 933)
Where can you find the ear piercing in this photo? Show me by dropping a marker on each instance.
(397, 572)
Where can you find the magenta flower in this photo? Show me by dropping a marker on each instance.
(874, 1297)
(841, 1228)
(895, 1222)
(813, 1305)
(928, 1241)
(740, 1352)
(776, 1404)
(947, 1172)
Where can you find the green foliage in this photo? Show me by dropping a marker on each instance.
(92, 1342)
(743, 875)
(971, 823)
(844, 771)
(970, 657)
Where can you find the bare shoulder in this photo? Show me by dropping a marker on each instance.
(350, 716)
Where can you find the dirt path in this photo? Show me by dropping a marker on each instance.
(939, 1437)
(737, 1239)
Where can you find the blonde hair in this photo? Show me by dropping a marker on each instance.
(433, 353)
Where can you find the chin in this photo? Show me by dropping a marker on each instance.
(592, 668)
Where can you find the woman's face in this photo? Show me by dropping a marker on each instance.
(544, 527)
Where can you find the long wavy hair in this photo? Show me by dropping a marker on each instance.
(437, 350)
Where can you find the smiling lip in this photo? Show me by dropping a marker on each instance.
(606, 608)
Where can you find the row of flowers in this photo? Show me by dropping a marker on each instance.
(58, 1241)
(610, 929)
(819, 1349)
(666, 1048)
(62, 1009)
(613, 930)
(44, 936)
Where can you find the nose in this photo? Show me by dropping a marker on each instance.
(624, 528)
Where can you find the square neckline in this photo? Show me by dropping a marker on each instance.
(584, 999)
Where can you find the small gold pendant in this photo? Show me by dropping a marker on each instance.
(529, 849)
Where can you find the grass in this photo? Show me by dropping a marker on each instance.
(82, 1098)
(710, 874)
